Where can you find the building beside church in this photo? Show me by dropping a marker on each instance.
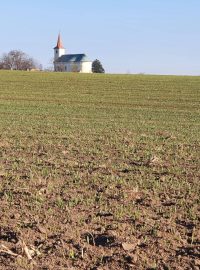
(70, 62)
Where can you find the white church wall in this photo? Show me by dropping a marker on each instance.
(68, 67)
(82, 67)
(86, 67)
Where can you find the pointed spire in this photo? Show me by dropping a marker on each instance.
(59, 43)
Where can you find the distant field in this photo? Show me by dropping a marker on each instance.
(99, 171)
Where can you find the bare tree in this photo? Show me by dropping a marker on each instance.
(51, 66)
(17, 60)
(75, 67)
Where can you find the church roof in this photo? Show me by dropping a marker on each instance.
(59, 43)
(73, 58)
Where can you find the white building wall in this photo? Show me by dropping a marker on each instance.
(58, 53)
(82, 67)
(86, 67)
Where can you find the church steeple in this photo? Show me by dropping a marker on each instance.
(59, 50)
(59, 43)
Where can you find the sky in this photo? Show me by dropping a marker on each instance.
(127, 36)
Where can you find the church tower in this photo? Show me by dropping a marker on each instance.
(59, 50)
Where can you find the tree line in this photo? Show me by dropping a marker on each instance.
(18, 60)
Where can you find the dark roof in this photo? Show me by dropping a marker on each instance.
(73, 58)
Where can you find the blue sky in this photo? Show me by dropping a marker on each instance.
(128, 36)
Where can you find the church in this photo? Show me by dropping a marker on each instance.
(70, 62)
